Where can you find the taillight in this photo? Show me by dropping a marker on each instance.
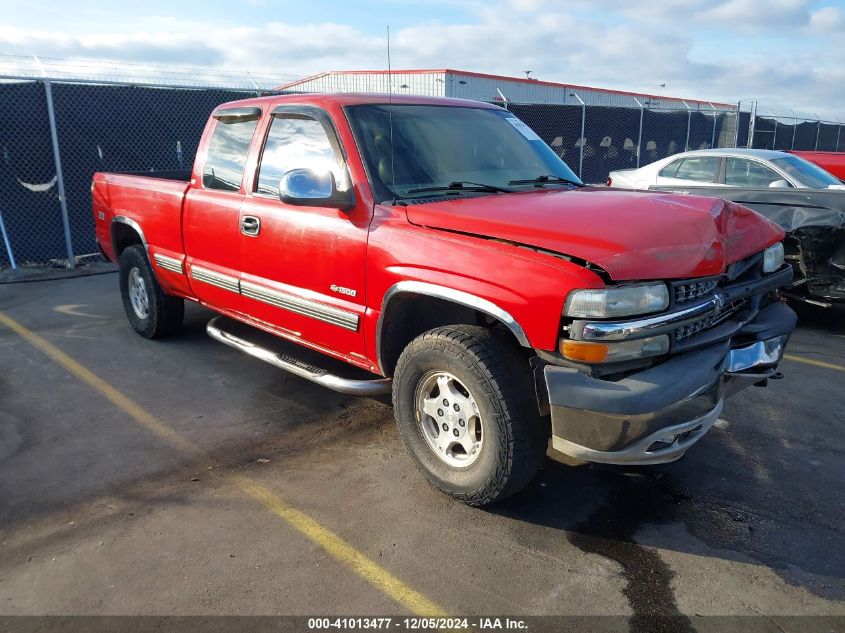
(609, 181)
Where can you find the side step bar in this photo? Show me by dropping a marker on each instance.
(301, 368)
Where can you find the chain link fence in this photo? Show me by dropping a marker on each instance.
(595, 140)
(30, 213)
(45, 176)
(54, 134)
(797, 133)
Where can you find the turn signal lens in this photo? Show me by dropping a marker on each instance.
(584, 352)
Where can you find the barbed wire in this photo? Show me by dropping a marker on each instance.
(13, 66)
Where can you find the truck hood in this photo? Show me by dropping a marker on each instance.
(631, 235)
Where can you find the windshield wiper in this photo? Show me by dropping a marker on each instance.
(461, 185)
(551, 178)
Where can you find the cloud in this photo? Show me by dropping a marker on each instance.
(154, 48)
(827, 20)
(720, 52)
(754, 15)
(729, 14)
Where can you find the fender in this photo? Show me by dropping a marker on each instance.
(455, 296)
(122, 219)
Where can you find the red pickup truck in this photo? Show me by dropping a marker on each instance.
(440, 250)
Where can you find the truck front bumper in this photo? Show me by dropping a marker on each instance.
(654, 416)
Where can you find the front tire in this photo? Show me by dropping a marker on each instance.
(464, 401)
(151, 313)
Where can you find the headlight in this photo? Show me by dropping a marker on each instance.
(584, 352)
(617, 302)
(773, 258)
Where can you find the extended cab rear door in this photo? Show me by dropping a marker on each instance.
(211, 226)
(302, 267)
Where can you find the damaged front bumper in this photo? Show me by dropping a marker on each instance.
(654, 416)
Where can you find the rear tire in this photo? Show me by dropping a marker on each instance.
(151, 313)
(464, 401)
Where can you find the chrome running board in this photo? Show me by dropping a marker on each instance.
(293, 365)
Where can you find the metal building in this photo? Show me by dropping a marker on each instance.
(483, 87)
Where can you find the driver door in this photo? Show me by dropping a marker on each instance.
(302, 267)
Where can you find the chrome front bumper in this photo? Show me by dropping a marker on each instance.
(654, 416)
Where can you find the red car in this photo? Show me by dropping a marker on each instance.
(833, 162)
(439, 250)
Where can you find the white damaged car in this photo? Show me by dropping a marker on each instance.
(729, 167)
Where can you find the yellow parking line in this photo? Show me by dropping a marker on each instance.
(334, 545)
(815, 363)
(134, 410)
(342, 551)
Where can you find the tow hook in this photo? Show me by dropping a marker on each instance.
(765, 382)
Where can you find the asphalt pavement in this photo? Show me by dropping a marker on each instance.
(192, 479)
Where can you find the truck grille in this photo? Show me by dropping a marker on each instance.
(692, 290)
(708, 322)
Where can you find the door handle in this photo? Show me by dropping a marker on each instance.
(250, 225)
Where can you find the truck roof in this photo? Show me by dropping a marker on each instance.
(352, 98)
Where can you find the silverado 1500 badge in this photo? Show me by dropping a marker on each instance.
(343, 291)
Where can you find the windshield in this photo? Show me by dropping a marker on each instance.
(806, 173)
(435, 146)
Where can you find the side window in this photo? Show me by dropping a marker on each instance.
(227, 152)
(748, 173)
(297, 141)
(671, 169)
(698, 168)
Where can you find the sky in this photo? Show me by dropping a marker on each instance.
(787, 54)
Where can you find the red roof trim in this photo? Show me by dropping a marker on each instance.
(468, 73)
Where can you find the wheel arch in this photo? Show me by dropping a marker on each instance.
(124, 233)
(410, 308)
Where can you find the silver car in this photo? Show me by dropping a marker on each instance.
(730, 167)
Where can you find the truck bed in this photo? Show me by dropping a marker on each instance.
(183, 175)
(149, 199)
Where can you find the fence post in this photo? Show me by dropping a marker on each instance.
(818, 131)
(640, 135)
(736, 123)
(689, 123)
(794, 129)
(775, 135)
(7, 243)
(751, 124)
(838, 132)
(257, 88)
(713, 135)
(583, 140)
(504, 99)
(60, 183)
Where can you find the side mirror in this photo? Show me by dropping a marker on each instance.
(308, 188)
(779, 184)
